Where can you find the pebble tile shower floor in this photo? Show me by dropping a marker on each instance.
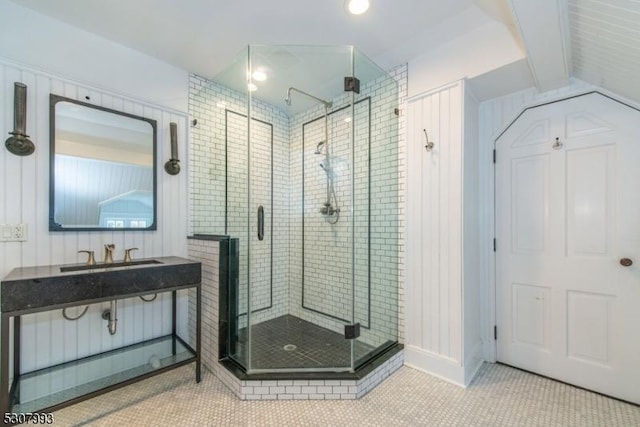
(498, 396)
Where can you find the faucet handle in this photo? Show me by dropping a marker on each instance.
(90, 260)
(108, 253)
(127, 254)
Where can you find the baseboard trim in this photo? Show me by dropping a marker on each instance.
(472, 363)
(434, 364)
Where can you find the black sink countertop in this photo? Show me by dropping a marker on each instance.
(30, 289)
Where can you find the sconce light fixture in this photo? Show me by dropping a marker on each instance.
(19, 144)
(173, 164)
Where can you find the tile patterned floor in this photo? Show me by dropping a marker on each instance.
(315, 346)
(498, 396)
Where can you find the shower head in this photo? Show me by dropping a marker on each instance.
(319, 147)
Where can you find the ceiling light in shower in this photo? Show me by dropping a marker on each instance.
(347, 120)
(252, 87)
(259, 76)
(357, 7)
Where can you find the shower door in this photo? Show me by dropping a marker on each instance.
(246, 181)
(299, 271)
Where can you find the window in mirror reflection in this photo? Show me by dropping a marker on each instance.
(103, 168)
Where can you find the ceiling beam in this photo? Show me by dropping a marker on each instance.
(544, 28)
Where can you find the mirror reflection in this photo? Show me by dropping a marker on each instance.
(102, 168)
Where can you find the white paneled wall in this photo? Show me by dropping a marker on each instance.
(442, 333)
(47, 338)
(471, 306)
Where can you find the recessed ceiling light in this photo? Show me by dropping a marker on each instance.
(252, 87)
(259, 76)
(357, 7)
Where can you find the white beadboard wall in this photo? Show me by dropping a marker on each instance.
(494, 116)
(471, 307)
(47, 338)
(442, 264)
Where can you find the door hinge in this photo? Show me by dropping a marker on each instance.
(494, 157)
(495, 332)
(494, 244)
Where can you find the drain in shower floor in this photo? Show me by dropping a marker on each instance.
(289, 347)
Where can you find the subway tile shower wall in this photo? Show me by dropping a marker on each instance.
(310, 278)
(401, 76)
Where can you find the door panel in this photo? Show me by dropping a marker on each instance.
(530, 204)
(590, 176)
(531, 315)
(590, 327)
(570, 210)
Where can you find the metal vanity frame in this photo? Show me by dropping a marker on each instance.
(9, 395)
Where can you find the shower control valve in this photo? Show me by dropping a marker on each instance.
(329, 210)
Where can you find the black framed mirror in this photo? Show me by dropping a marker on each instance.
(102, 168)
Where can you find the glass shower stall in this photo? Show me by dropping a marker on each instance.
(298, 165)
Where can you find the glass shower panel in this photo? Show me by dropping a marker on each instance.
(327, 241)
(362, 210)
(303, 175)
(376, 209)
(299, 209)
(255, 268)
(232, 109)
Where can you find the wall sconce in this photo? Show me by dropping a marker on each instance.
(173, 164)
(19, 144)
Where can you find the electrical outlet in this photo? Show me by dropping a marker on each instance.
(13, 232)
(20, 231)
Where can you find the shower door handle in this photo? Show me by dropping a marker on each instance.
(260, 223)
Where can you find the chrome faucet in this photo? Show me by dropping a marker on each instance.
(108, 253)
(127, 255)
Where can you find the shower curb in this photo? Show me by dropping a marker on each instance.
(310, 389)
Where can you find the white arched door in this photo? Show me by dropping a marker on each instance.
(567, 225)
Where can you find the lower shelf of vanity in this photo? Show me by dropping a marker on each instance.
(51, 388)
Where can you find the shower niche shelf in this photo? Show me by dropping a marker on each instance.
(37, 289)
